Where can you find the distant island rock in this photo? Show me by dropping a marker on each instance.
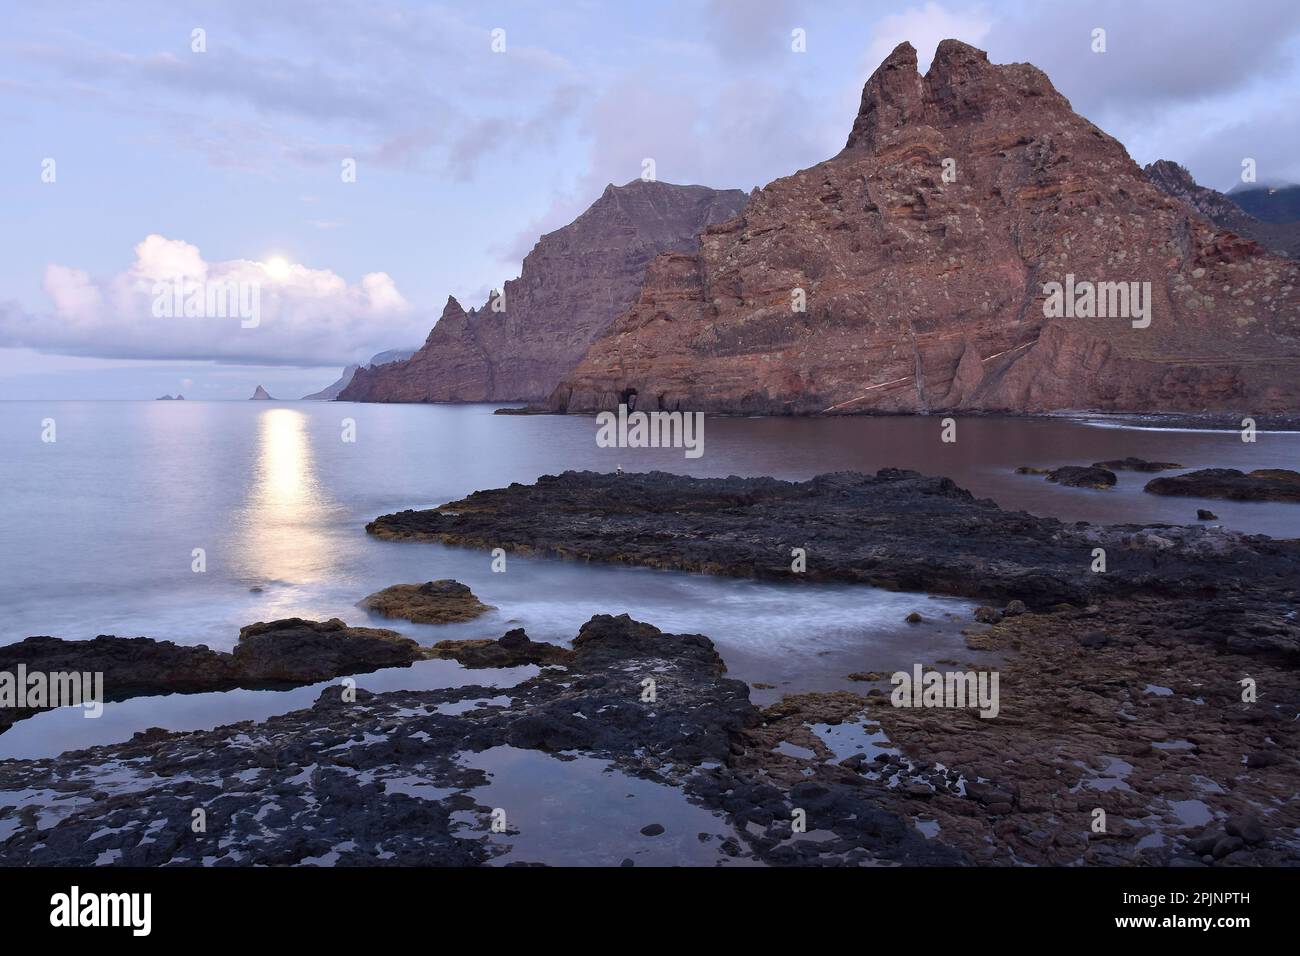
(170, 398)
(261, 395)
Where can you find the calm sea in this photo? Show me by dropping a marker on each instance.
(98, 529)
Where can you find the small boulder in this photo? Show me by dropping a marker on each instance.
(434, 602)
(1246, 827)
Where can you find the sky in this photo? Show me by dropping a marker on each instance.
(152, 147)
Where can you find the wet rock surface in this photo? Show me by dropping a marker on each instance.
(276, 654)
(1264, 484)
(383, 779)
(1132, 707)
(513, 649)
(434, 602)
(896, 529)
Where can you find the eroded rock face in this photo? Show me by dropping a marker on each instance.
(434, 602)
(928, 295)
(572, 285)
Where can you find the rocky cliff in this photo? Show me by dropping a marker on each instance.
(571, 286)
(923, 253)
(1173, 180)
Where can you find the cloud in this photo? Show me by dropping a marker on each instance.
(924, 27)
(358, 84)
(751, 29)
(305, 316)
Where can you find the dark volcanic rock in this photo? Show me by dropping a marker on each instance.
(1265, 484)
(896, 529)
(1079, 476)
(1135, 464)
(286, 652)
(376, 781)
(513, 649)
(434, 602)
(1204, 515)
(923, 279)
(571, 286)
(296, 651)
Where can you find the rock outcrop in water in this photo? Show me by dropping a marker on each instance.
(434, 602)
(519, 346)
(896, 529)
(260, 395)
(922, 254)
(275, 654)
(1263, 484)
(397, 778)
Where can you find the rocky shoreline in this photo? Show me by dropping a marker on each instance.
(897, 529)
(1123, 693)
(279, 654)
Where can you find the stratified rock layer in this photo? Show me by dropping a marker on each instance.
(572, 285)
(924, 294)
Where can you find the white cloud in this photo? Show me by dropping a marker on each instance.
(305, 316)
